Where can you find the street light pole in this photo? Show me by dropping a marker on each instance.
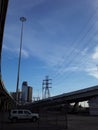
(22, 19)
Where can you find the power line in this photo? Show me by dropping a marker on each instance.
(71, 52)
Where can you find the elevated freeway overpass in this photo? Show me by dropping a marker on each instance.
(3, 10)
(79, 95)
(6, 101)
(67, 98)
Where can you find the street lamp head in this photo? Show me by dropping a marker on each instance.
(23, 19)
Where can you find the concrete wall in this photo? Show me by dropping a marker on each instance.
(93, 106)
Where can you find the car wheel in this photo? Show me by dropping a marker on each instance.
(34, 119)
(14, 119)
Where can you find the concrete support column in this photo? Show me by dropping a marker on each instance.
(75, 107)
(93, 106)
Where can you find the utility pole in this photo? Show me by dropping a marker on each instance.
(45, 88)
(22, 19)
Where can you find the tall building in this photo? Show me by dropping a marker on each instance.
(26, 93)
(29, 99)
(13, 94)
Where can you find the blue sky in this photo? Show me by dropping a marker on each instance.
(60, 40)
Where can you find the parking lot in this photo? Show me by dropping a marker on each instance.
(51, 122)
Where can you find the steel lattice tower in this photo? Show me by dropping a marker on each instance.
(45, 88)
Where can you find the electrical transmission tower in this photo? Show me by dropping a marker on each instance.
(45, 88)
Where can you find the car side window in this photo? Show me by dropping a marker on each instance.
(20, 112)
(14, 112)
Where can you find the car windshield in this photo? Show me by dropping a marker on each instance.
(27, 112)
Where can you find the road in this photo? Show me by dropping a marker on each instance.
(75, 122)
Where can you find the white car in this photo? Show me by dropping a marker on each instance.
(22, 114)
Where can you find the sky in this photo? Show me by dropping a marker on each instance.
(60, 40)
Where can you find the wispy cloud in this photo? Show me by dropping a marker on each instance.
(55, 56)
(90, 66)
(87, 64)
(26, 5)
(42, 42)
(24, 52)
(92, 72)
(32, 3)
(95, 54)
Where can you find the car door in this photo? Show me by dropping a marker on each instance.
(27, 114)
(21, 114)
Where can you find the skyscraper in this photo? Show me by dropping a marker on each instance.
(24, 91)
(29, 99)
